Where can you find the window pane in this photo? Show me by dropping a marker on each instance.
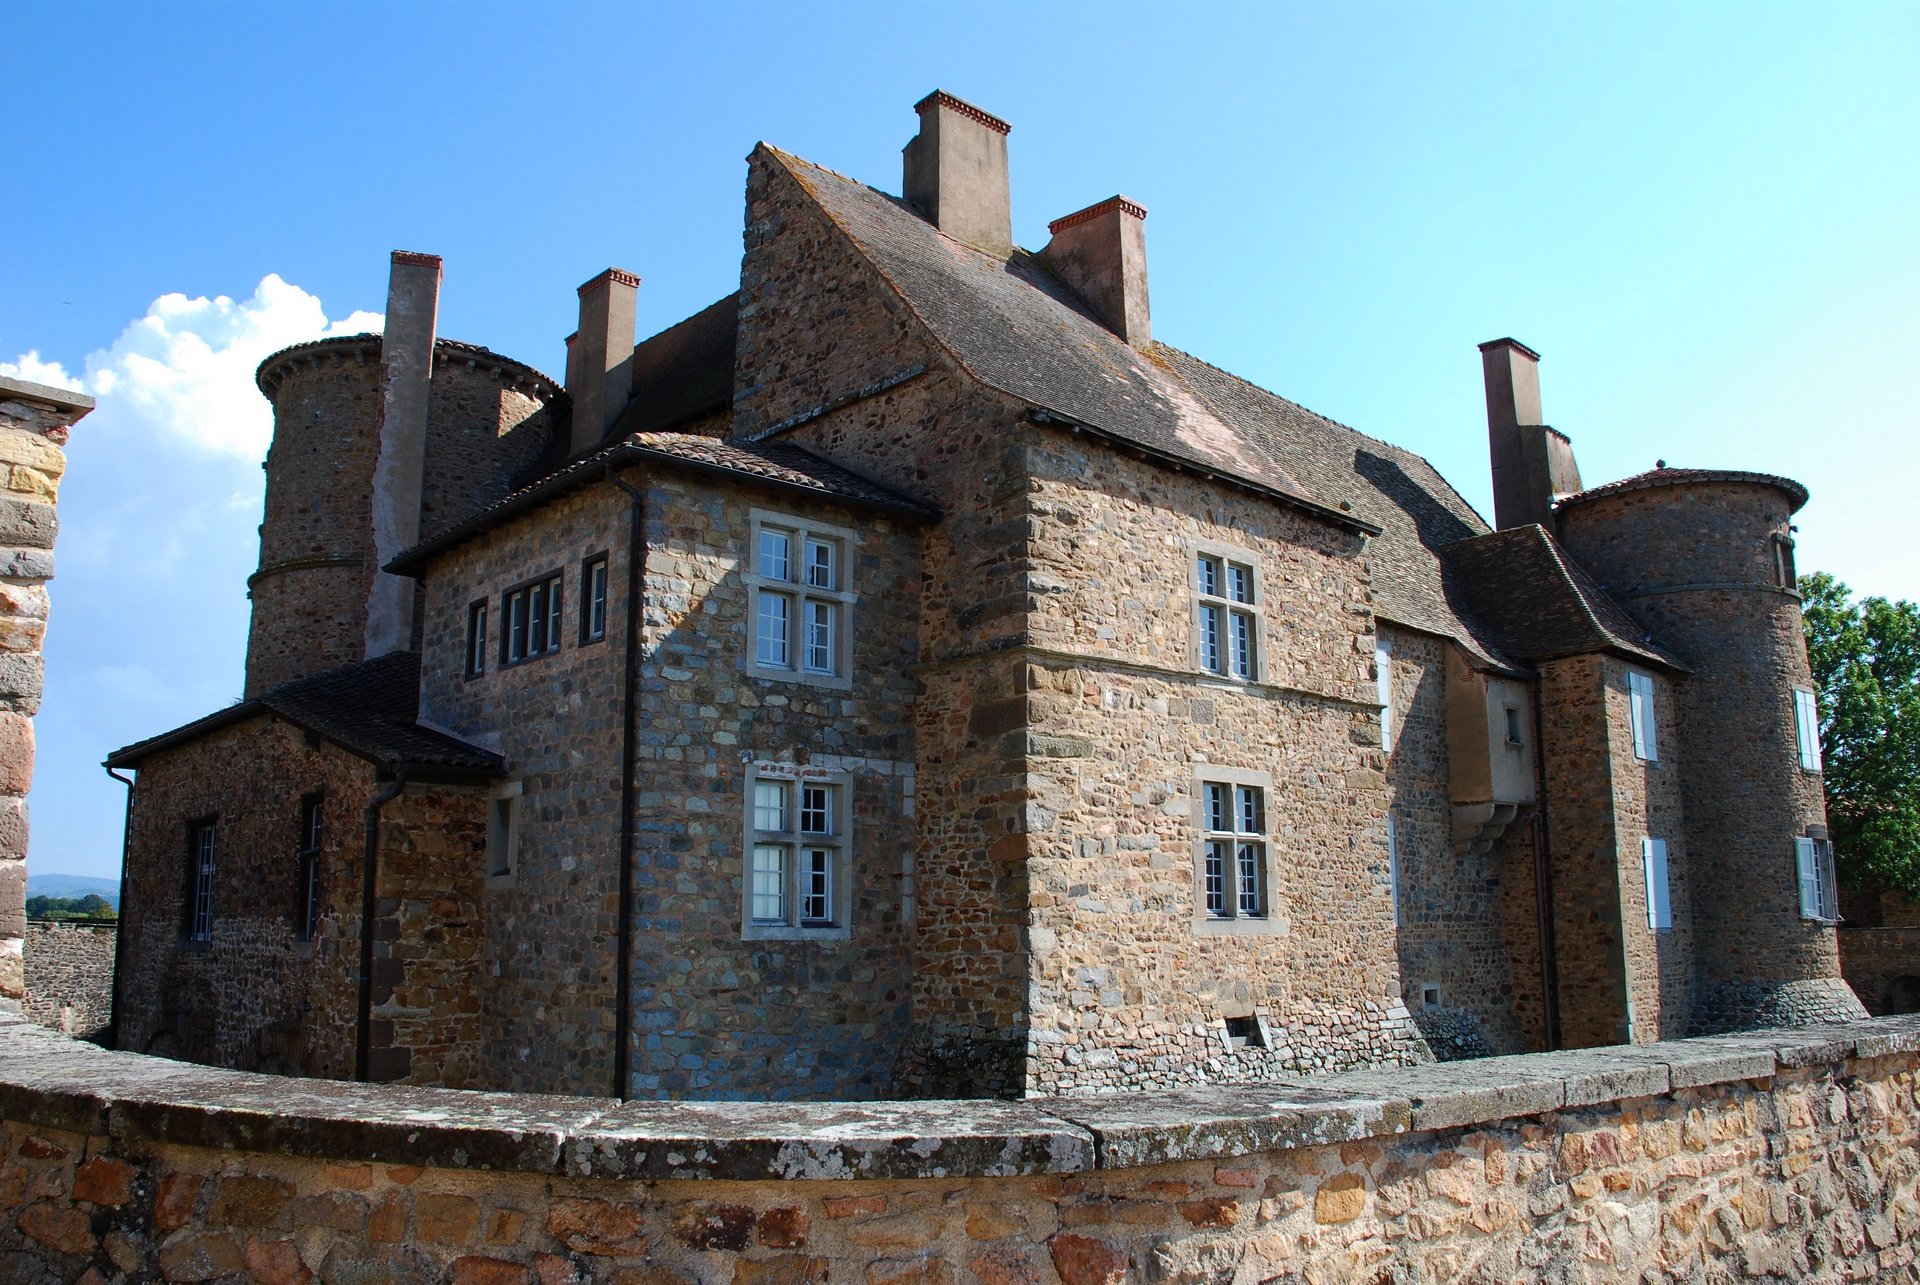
(770, 806)
(1251, 902)
(1217, 808)
(1250, 809)
(1210, 641)
(597, 600)
(769, 883)
(820, 637)
(776, 554)
(477, 638)
(820, 564)
(816, 893)
(1239, 582)
(537, 620)
(816, 809)
(1242, 645)
(553, 615)
(1209, 575)
(776, 640)
(517, 627)
(1216, 876)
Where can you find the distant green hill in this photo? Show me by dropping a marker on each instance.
(59, 885)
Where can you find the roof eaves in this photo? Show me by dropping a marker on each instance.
(131, 755)
(1047, 415)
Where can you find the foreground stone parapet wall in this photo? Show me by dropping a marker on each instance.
(1776, 1154)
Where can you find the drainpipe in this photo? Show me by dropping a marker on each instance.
(120, 924)
(1543, 875)
(370, 866)
(629, 734)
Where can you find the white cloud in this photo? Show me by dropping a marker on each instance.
(185, 369)
(32, 369)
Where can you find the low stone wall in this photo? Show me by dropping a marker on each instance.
(1883, 967)
(1777, 1154)
(70, 976)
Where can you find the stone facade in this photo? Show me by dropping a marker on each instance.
(70, 976)
(1787, 1157)
(34, 423)
(1026, 719)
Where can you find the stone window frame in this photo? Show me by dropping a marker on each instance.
(202, 866)
(1785, 574)
(594, 577)
(309, 835)
(1223, 601)
(476, 664)
(795, 588)
(1271, 923)
(553, 626)
(839, 842)
(503, 835)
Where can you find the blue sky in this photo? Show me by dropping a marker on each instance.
(1703, 217)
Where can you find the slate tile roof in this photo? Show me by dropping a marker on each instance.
(1016, 327)
(1534, 603)
(370, 709)
(1686, 477)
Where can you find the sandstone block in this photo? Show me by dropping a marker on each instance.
(174, 1203)
(709, 1226)
(930, 1271)
(1011, 1266)
(445, 1220)
(27, 524)
(60, 1227)
(473, 1270)
(504, 1226)
(1340, 1199)
(16, 753)
(276, 1262)
(1082, 1260)
(103, 1180)
(786, 1227)
(592, 1226)
(249, 1201)
(200, 1256)
(786, 1269)
(849, 1206)
(388, 1223)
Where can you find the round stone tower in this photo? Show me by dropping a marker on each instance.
(1703, 558)
(379, 442)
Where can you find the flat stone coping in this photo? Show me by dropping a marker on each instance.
(50, 1081)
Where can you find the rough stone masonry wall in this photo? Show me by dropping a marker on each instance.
(1131, 983)
(1779, 1156)
(1881, 964)
(70, 976)
(1454, 927)
(34, 421)
(253, 995)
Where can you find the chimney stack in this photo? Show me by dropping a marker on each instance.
(1102, 253)
(600, 357)
(955, 173)
(406, 386)
(1532, 463)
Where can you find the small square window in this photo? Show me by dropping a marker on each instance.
(1514, 736)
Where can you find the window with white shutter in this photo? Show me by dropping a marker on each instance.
(1646, 744)
(1653, 859)
(1806, 720)
(1819, 893)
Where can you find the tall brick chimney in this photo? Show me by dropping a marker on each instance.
(600, 356)
(406, 395)
(1532, 463)
(955, 173)
(1102, 253)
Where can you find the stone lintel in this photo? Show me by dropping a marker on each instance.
(64, 400)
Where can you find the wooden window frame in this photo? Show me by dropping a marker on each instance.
(801, 596)
(796, 842)
(550, 627)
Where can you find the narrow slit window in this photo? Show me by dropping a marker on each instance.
(201, 854)
(476, 639)
(307, 906)
(1806, 722)
(593, 599)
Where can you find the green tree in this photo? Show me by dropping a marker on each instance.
(1866, 666)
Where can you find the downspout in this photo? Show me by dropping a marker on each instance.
(120, 917)
(370, 866)
(629, 734)
(1543, 875)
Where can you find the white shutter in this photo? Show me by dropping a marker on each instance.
(1646, 744)
(1806, 718)
(1653, 858)
(1806, 857)
(1383, 683)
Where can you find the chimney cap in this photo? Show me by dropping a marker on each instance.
(941, 98)
(414, 258)
(612, 276)
(1510, 343)
(1094, 211)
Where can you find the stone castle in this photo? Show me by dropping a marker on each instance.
(906, 677)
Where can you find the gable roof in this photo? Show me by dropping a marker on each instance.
(780, 466)
(1014, 326)
(1535, 603)
(370, 709)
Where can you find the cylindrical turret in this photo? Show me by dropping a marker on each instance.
(310, 593)
(1702, 558)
